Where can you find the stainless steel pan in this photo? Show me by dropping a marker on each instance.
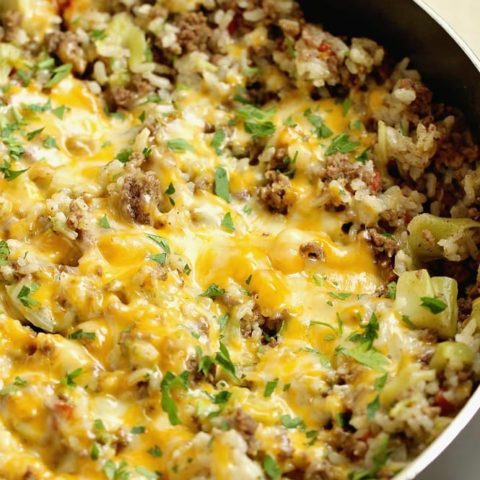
(411, 29)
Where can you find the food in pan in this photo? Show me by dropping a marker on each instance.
(233, 246)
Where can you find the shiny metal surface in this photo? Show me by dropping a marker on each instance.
(410, 28)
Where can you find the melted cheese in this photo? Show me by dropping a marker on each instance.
(142, 320)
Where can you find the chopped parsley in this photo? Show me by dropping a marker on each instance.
(94, 451)
(257, 122)
(380, 382)
(222, 321)
(169, 382)
(155, 451)
(116, 472)
(368, 357)
(205, 363)
(31, 135)
(222, 189)
(49, 142)
(320, 128)
(4, 252)
(340, 295)
(46, 64)
(221, 397)
(346, 105)
(69, 378)
(179, 145)
(341, 144)
(435, 305)
(146, 473)
(223, 359)
(271, 468)
(160, 258)
(98, 34)
(363, 157)
(8, 173)
(160, 241)
(138, 430)
(98, 425)
(59, 112)
(369, 334)
(13, 387)
(217, 141)
(291, 422)
(373, 407)
(103, 222)
(406, 320)
(170, 189)
(81, 335)
(227, 222)
(392, 290)
(213, 291)
(38, 108)
(58, 74)
(270, 387)
(124, 155)
(24, 295)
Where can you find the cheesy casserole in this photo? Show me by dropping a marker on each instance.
(232, 246)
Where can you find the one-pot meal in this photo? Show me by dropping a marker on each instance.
(233, 246)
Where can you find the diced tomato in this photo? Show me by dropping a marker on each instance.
(446, 408)
(376, 182)
(64, 409)
(325, 47)
(234, 25)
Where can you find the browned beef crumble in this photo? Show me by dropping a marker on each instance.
(312, 250)
(194, 32)
(127, 96)
(140, 194)
(11, 22)
(66, 46)
(246, 426)
(277, 194)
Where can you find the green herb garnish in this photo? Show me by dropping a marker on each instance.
(435, 305)
(227, 222)
(179, 145)
(270, 387)
(69, 378)
(217, 141)
(341, 144)
(24, 295)
(213, 291)
(221, 184)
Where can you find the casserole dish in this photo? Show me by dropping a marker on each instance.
(449, 66)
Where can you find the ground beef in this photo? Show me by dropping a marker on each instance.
(270, 325)
(312, 250)
(319, 470)
(347, 443)
(246, 426)
(141, 195)
(422, 105)
(384, 247)
(455, 153)
(277, 194)
(127, 96)
(11, 22)
(340, 166)
(194, 32)
(66, 46)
